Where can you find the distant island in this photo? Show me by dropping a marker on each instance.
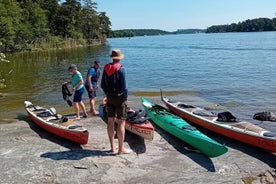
(254, 25)
(150, 32)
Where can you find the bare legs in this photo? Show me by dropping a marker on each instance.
(120, 134)
(111, 133)
(77, 106)
(92, 106)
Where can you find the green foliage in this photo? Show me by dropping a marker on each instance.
(10, 14)
(2, 61)
(121, 33)
(254, 25)
(26, 24)
(90, 22)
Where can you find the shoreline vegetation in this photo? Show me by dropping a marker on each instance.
(253, 25)
(54, 24)
(38, 25)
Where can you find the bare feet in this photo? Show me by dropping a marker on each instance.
(125, 151)
(114, 150)
(95, 113)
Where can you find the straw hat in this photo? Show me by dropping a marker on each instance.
(116, 54)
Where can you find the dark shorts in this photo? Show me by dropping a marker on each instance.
(78, 95)
(91, 94)
(116, 107)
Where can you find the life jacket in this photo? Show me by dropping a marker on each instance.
(66, 94)
(95, 77)
(112, 77)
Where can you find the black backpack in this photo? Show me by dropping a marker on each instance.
(113, 83)
(226, 117)
(265, 116)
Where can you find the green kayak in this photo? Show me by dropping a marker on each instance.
(182, 130)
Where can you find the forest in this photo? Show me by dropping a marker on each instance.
(254, 25)
(44, 24)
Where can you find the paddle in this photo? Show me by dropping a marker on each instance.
(53, 112)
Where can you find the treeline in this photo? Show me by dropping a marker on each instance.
(25, 24)
(189, 31)
(136, 32)
(150, 32)
(254, 25)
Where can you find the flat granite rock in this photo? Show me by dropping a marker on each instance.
(28, 154)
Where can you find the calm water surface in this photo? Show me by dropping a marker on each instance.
(233, 71)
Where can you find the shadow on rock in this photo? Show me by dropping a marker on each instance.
(266, 157)
(187, 150)
(51, 137)
(77, 154)
(258, 153)
(135, 142)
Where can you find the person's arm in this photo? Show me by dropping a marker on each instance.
(123, 82)
(103, 84)
(78, 85)
(97, 83)
(88, 78)
(89, 82)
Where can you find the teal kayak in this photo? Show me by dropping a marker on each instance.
(181, 129)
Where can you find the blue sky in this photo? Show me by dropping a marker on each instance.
(170, 15)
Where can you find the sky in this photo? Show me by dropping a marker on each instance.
(171, 15)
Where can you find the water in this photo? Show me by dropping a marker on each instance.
(232, 71)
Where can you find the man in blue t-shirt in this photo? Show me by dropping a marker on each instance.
(91, 85)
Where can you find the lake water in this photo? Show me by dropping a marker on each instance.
(229, 71)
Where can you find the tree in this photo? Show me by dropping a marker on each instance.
(90, 20)
(69, 20)
(51, 8)
(34, 24)
(105, 24)
(10, 14)
(28, 23)
(2, 75)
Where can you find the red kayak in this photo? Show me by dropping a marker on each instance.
(136, 122)
(56, 123)
(139, 124)
(239, 130)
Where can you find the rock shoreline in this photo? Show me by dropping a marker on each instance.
(28, 154)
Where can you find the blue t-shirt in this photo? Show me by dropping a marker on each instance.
(76, 78)
(93, 73)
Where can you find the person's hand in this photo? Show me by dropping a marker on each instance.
(73, 90)
(90, 88)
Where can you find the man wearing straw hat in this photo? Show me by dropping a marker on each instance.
(114, 86)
